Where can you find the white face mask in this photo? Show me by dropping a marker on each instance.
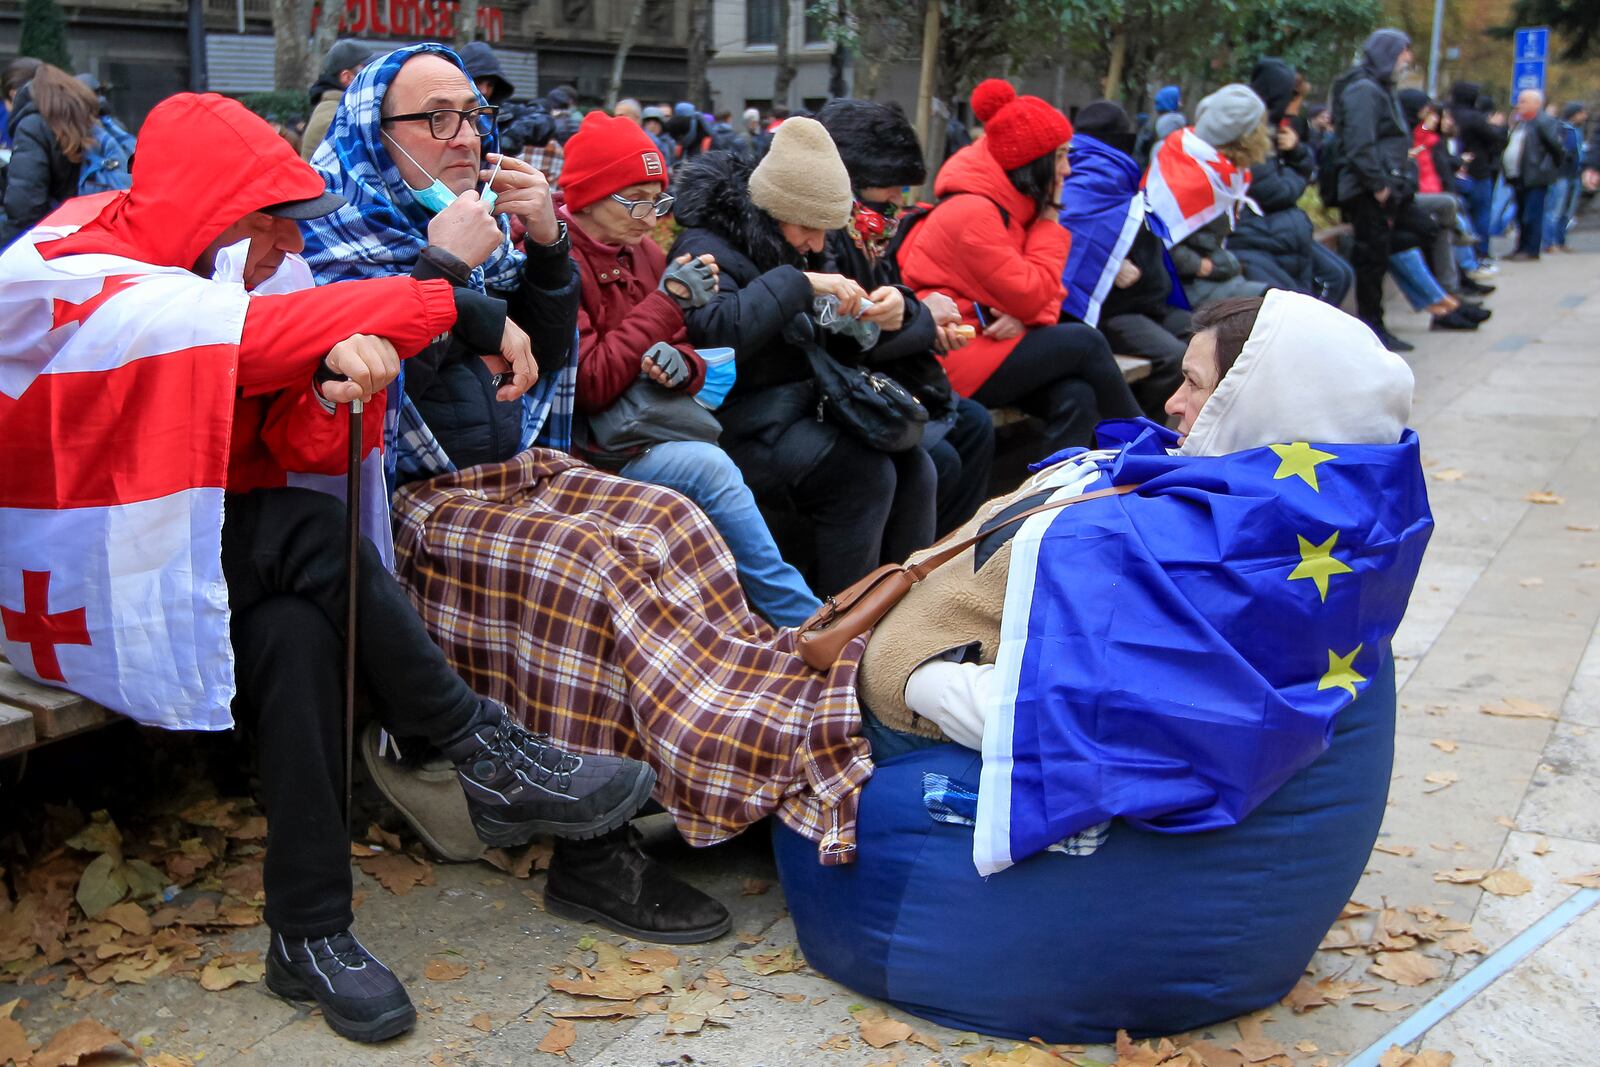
(437, 197)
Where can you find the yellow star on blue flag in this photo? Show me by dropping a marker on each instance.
(1341, 675)
(1318, 564)
(1299, 460)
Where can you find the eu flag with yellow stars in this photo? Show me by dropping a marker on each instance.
(1173, 655)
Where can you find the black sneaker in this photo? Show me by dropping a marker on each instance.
(359, 997)
(1473, 288)
(612, 882)
(519, 785)
(1474, 312)
(1393, 343)
(1452, 320)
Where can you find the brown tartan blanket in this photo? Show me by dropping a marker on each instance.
(607, 612)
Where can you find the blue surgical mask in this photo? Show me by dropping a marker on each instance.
(436, 197)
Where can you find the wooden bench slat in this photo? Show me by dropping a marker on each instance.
(1134, 368)
(16, 729)
(55, 712)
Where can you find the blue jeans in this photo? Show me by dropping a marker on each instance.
(1530, 218)
(1561, 202)
(1479, 193)
(705, 474)
(1331, 275)
(1416, 282)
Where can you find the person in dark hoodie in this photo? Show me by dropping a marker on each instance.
(53, 124)
(880, 150)
(1117, 278)
(1375, 175)
(212, 239)
(767, 227)
(1278, 246)
(1479, 145)
(1168, 101)
(339, 68)
(483, 67)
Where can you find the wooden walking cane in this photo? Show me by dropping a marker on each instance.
(353, 527)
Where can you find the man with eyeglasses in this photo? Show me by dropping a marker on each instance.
(406, 150)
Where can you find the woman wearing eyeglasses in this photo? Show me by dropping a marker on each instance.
(630, 326)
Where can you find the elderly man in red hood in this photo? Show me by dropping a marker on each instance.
(176, 323)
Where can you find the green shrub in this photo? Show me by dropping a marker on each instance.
(44, 33)
(287, 106)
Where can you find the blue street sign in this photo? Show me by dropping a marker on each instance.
(1530, 51)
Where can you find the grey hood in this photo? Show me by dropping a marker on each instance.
(1382, 51)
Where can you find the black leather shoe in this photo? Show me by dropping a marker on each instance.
(1472, 288)
(612, 882)
(1452, 320)
(360, 998)
(1474, 312)
(519, 785)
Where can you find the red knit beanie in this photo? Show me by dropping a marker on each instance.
(1024, 130)
(606, 155)
(990, 96)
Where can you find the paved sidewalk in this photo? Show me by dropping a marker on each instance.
(1505, 610)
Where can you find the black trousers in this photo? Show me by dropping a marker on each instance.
(1162, 340)
(963, 460)
(1370, 256)
(283, 556)
(1066, 376)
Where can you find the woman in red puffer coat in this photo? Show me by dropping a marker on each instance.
(993, 243)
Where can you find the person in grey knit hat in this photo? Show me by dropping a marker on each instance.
(802, 180)
(339, 68)
(1228, 114)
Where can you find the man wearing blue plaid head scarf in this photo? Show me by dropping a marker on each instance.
(406, 151)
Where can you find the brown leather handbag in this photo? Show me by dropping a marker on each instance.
(856, 609)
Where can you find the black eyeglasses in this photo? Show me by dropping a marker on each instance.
(446, 122)
(643, 209)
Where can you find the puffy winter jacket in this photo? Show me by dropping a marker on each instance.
(984, 246)
(39, 176)
(1282, 232)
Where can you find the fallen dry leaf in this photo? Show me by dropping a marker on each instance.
(397, 872)
(688, 1013)
(1383, 1005)
(1303, 997)
(1395, 850)
(1587, 880)
(784, 961)
(482, 1021)
(225, 972)
(610, 984)
(164, 1059)
(658, 959)
(1449, 474)
(1506, 883)
(444, 970)
(1305, 1046)
(1020, 1056)
(72, 1043)
(1517, 708)
(558, 1038)
(1399, 1057)
(880, 1031)
(1582, 527)
(132, 918)
(1464, 943)
(1353, 908)
(1461, 875)
(836, 1043)
(1541, 847)
(1253, 1044)
(14, 1043)
(1409, 968)
(1530, 583)
(1544, 496)
(1444, 746)
(754, 887)
(1440, 780)
(599, 1009)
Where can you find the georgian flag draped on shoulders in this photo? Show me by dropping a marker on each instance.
(1189, 184)
(116, 399)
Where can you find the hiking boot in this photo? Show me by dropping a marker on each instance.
(423, 787)
(1393, 343)
(1452, 320)
(519, 785)
(612, 882)
(1474, 312)
(359, 997)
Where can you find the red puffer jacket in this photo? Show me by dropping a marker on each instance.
(621, 315)
(968, 250)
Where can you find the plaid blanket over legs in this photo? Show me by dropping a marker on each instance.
(608, 613)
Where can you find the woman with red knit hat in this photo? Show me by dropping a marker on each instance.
(630, 326)
(994, 244)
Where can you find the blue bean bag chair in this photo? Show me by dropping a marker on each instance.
(1154, 933)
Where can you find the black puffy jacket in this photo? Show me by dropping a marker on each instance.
(1282, 232)
(1544, 153)
(1374, 140)
(453, 388)
(39, 176)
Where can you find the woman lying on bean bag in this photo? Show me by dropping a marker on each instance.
(1157, 831)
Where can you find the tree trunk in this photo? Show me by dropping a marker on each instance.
(629, 32)
(322, 38)
(699, 55)
(1119, 55)
(786, 67)
(291, 30)
(837, 85)
(467, 22)
(930, 64)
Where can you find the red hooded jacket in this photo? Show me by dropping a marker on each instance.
(204, 163)
(967, 250)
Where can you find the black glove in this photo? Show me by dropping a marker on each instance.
(696, 279)
(670, 362)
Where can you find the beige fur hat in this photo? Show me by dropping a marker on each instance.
(802, 179)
